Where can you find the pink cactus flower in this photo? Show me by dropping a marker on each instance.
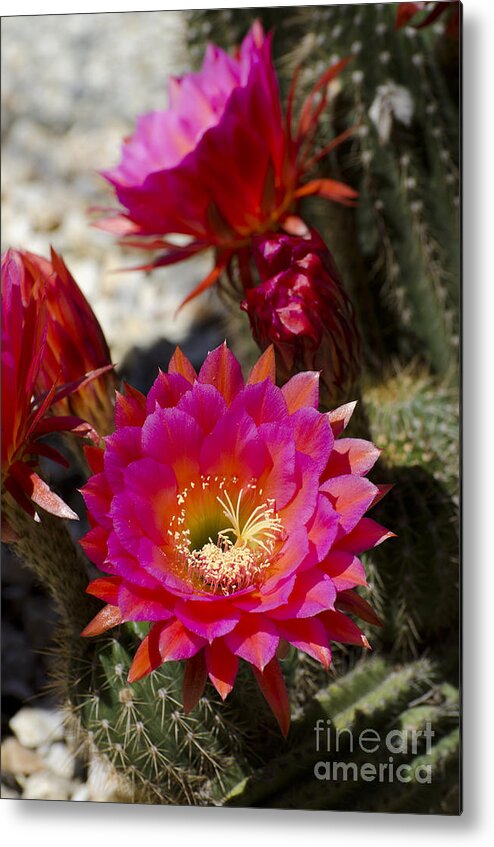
(302, 308)
(230, 516)
(223, 162)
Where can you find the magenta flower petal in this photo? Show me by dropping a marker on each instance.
(222, 370)
(367, 534)
(302, 390)
(279, 480)
(301, 507)
(308, 635)
(322, 529)
(254, 640)
(289, 559)
(314, 592)
(205, 404)
(125, 447)
(122, 563)
(144, 604)
(176, 642)
(234, 448)
(264, 402)
(167, 391)
(263, 601)
(209, 620)
(155, 562)
(150, 492)
(345, 570)
(125, 523)
(313, 435)
(351, 496)
(352, 455)
(222, 666)
(173, 438)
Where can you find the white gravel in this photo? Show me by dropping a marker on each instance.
(34, 727)
(39, 763)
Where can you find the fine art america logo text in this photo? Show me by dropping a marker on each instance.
(387, 748)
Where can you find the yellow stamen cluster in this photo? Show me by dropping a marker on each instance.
(243, 549)
(224, 569)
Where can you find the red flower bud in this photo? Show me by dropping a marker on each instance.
(301, 307)
(53, 355)
(75, 343)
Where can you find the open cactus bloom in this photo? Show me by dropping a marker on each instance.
(31, 398)
(230, 516)
(179, 173)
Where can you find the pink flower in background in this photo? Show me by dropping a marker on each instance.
(27, 410)
(223, 162)
(407, 13)
(230, 516)
(301, 307)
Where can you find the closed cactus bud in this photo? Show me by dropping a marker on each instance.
(75, 343)
(33, 406)
(301, 308)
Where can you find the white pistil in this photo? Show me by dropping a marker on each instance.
(261, 528)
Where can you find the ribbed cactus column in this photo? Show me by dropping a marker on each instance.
(48, 549)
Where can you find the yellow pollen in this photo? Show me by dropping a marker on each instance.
(227, 568)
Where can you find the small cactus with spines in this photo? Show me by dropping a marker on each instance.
(161, 753)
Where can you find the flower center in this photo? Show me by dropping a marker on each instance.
(226, 544)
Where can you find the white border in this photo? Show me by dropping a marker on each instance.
(77, 824)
